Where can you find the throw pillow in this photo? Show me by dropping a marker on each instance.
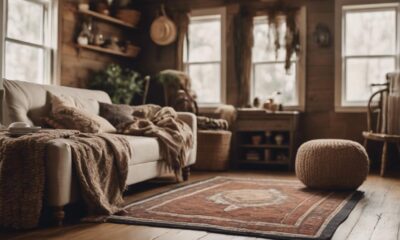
(67, 115)
(116, 114)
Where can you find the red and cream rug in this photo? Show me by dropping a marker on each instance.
(277, 209)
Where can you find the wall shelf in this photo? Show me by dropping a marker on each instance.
(265, 146)
(109, 51)
(106, 18)
(262, 162)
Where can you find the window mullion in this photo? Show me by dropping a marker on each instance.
(7, 39)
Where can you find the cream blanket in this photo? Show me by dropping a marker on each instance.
(174, 136)
(100, 161)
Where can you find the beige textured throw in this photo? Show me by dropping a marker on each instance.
(174, 136)
(101, 165)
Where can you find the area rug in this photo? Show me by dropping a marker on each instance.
(277, 209)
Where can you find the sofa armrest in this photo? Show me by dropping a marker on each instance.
(191, 120)
(59, 173)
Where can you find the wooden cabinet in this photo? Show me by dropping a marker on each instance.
(263, 138)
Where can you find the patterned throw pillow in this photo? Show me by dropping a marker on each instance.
(65, 115)
(116, 114)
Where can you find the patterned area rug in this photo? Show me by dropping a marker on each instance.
(267, 208)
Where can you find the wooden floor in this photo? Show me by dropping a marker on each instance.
(376, 216)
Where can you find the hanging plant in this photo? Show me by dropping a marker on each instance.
(292, 39)
(278, 15)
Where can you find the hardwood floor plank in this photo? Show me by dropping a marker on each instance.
(216, 236)
(372, 210)
(374, 190)
(387, 227)
(182, 235)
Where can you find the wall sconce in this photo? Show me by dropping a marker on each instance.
(322, 36)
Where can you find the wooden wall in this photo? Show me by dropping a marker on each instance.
(77, 66)
(319, 119)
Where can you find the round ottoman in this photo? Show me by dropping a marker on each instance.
(332, 164)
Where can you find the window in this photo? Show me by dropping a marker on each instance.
(28, 40)
(269, 75)
(369, 48)
(204, 55)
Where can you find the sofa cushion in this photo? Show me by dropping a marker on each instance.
(67, 115)
(29, 102)
(116, 113)
(144, 149)
(87, 105)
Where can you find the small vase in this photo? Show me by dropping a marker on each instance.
(279, 139)
(256, 140)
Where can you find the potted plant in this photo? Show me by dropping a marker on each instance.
(120, 83)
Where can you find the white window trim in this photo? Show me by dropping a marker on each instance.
(51, 42)
(339, 38)
(300, 66)
(222, 11)
(2, 26)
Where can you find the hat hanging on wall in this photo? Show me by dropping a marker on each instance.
(163, 30)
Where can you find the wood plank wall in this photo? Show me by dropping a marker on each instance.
(318, 121)
(77, 66)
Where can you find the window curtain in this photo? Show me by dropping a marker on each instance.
(243, 53)
(182, 24)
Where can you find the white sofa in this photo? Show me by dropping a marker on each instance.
(28, 102)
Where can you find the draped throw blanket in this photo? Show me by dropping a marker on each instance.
(206, 123)
(101, 164)
(174, 136)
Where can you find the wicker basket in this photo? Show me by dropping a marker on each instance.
(213, 150)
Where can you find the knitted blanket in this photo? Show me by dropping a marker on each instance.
(101, 164)
(174, 136)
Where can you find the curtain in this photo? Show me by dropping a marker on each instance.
(243, 52)
(182, 23)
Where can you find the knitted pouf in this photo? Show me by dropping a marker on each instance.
(332, 164)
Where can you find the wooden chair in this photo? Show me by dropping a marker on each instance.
(377, 118)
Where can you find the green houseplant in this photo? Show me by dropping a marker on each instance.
(120, 83)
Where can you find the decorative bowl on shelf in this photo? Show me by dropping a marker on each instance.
(132, 50)
(256, 140)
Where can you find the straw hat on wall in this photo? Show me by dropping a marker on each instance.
(163, 30)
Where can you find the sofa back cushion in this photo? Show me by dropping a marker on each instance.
(116, 114)
(68, 115)
(30, 103)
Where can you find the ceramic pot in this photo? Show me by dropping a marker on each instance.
(279, 139)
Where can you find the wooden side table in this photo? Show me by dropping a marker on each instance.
(263, 138)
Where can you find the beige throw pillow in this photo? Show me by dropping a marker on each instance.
(68, 115)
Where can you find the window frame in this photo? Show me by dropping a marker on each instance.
(300, 64)
(222, 12)
(50, 44)
(341, 8)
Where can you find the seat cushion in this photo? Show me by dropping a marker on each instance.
(144, 149)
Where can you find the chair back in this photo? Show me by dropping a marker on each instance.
(378, 110)
(393, 117)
